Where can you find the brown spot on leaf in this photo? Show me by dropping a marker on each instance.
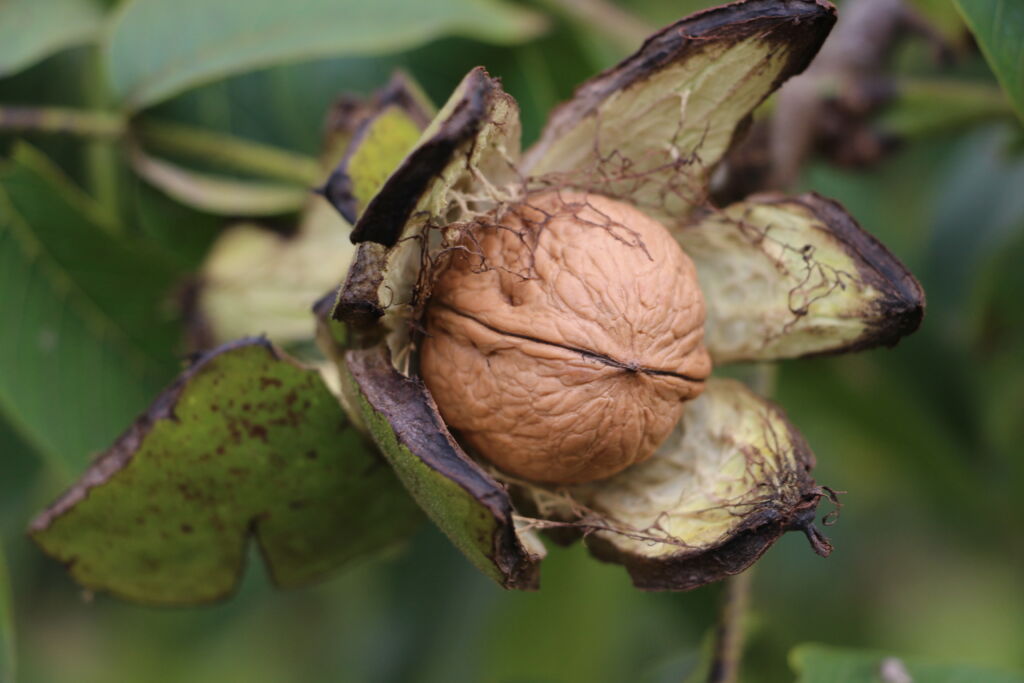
(187, 492)
(258, 431)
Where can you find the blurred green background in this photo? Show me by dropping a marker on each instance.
(926, 438)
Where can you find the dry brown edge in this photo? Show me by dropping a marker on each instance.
(800, 26)
(123, 450)
(412, 414)
(742, 547)
(397, 93)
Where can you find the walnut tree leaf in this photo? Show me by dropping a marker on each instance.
(245, 443)
(157, 49)
(87, 343)
(8, 661)
(824, 664)
(31, 30)
(998, 25)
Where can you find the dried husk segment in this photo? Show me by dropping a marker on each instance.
(731, 478)
(651, 129)
(466, 503)
(786, 277)
(397, 233)
(384, 131)
(462, 167)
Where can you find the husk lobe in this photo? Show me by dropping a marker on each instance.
(486, 533)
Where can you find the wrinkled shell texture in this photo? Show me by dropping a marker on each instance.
(564, 337)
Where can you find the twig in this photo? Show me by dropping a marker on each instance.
(230, 152)
(217, 148)
(81, 122)
(8, 651)
(103, 177)
(729, 633)
(850, 68)
(764, 377)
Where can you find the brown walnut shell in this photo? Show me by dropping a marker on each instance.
(564, 337)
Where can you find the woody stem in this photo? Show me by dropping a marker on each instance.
(227, 151)
(729, 632)
(729, 635)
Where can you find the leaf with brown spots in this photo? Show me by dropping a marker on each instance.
(246, 442)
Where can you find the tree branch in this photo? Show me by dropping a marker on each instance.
(230, 152)
(729, 632)
(81, 122)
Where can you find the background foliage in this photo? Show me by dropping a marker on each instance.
(927, 438)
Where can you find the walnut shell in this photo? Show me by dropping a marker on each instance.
(564, 337)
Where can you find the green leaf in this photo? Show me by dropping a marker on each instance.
(87, 330)
(245, 442)
(31, 30)
(998, 26)
(8, 661)
(181, 234)
(218, 194)
(824, 664)
(924, 108)
(158, 49)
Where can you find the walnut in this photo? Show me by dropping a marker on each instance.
(564, 337)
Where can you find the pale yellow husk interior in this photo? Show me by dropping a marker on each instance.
(730, 455)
